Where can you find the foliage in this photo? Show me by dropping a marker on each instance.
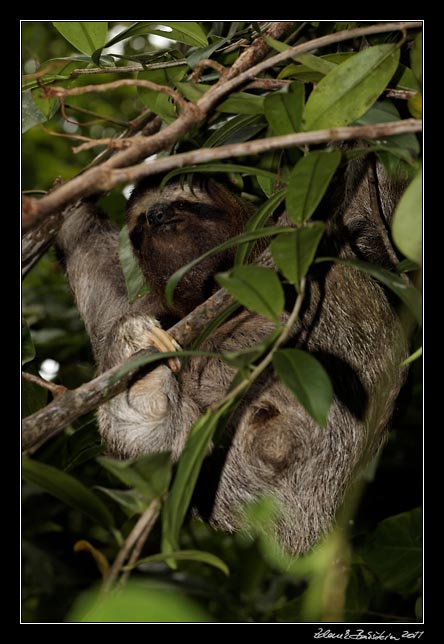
(78, 506)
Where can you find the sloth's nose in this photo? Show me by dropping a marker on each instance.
(159, 213)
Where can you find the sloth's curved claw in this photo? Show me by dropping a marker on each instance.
(164, 342)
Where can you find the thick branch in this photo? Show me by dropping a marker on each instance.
(73, 404)
(100, 178)
(106, 179)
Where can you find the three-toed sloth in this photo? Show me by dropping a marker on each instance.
(271, 446)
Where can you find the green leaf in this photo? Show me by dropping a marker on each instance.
(414, 356)
(260, 218)
(84, 36)
(190, 462)
(242, 103)
(150, 474)
(311, 73)
(47, 106)
(137, 602)
(394, 552)
(67, 489)
(141, 360)
(406, 292)
(271, 160)
(238, 103)
(416, 58)
(308, 182)
(255, 287)
(135, 281)
(186, 555)
(406, 266)
(158, 102)
(189, 33)
(311, 61)
(236, 130)
(31, 115)
(294, 253)
(318, 64)
(28, 349)
(308, 381)
(239, 239)
(350, 89)
(381, 112)
(405, 146)
(131, 502)
(277, 45)
(284, 110)
(215, 167)
(205, 52)
(79, 447)
(406, 79)
(407, 221)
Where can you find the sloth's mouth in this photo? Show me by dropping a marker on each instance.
(167, 227)
(169, 224)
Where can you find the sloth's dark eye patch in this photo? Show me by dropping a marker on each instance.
(182, 205)
(203, 210)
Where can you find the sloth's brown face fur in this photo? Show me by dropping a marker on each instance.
(168, 229)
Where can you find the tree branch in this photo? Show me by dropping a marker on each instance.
(150, 518)
(244, 70)
(37, 241)
(61, 92)
(126, 69)
(259, 146)
(75, 403)
(56, 390)
(95, 179)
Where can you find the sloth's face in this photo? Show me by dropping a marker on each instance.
(168, 229)
(161, 219)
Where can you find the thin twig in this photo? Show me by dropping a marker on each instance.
(202, 64)
(111, 143)
(259, 146)
(61, 92)
(56, 390)
(402, 94)
(107, 179)
(149, 524)
(269, 84)
(148, 518)
(126, 69)
(65, 135)
(99, 118)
